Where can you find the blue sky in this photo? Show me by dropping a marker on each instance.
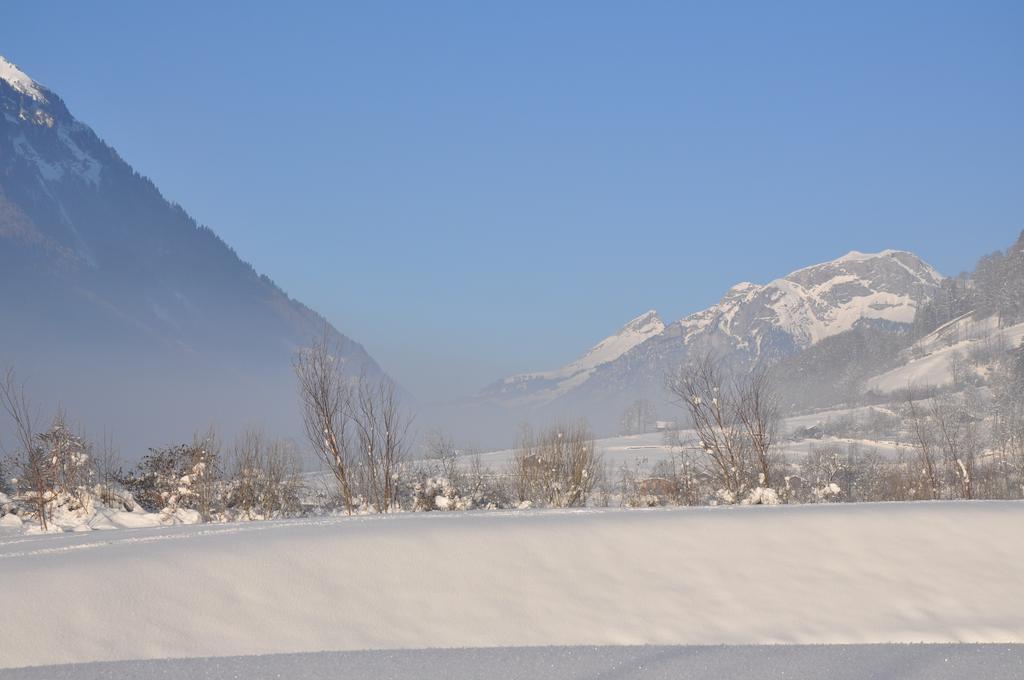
(473, 188)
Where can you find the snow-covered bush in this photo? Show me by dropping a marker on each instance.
(184, 477)
(69, 456)
(455, 482)
(438, 493)
(828, 492)
(762, 495)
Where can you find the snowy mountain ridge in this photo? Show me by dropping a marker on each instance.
(18, 80)
(816, 302)
(547, 385)
(752, 323)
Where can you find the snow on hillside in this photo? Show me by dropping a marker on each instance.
(930, 361)
(547, 385)
(642, 451)
(750, 323)
(823, 300)
(864, 573)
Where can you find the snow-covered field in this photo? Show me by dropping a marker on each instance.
(832, 574)
(645, 450)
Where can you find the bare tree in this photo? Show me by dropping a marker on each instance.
(955, 427)
(640, 417)
(107, 470)
(442, 450)
(924, 445)
(30, 462)
(326, 400)
(381, 432)
(704, 391)
(758, 411)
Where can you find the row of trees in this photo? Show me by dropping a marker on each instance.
(361, 432)
(963, 445)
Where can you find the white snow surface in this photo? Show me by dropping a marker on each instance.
(641, 451)
(865, 573)
(17, 79)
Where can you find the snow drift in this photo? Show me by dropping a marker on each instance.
(923, 572)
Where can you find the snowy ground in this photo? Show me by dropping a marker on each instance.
(835, 662)
(841, 574)
(645, 450)
(957, 338)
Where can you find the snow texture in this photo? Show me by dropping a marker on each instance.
(837, 574)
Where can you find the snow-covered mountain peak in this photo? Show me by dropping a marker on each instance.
(645, 323)
(857, 256)
(632, 334)
(37, 129)
(547, 385)
(750, 324)
(18, 80)
(816, 302)
(866, 265)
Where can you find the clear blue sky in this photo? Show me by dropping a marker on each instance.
(477, 188)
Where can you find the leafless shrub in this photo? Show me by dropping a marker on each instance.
(107, 471)
(263, 477)
(558, 467)
(34, 474)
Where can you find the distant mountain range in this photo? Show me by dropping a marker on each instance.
(118, 304)
(752, 323)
